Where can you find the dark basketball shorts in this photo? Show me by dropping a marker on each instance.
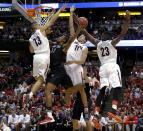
(59, 76)
(79, 108)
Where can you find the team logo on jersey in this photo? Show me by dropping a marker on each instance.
(52, 75)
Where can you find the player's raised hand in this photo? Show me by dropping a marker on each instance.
(81, 26)
(127, 16)
(72, 9)
(63, 8)
(75, 17)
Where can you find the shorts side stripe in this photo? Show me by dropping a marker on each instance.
(46, 69)
(119, 78)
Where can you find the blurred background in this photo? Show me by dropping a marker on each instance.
(102, 15)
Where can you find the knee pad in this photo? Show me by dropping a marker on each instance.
(116, 93)
(100, 96)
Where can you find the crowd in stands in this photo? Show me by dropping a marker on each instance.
(27, 116)
(14, 30)
(132, 100)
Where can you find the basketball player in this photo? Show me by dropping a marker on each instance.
(76, 56)
(39, 45)
(109, 70)
(78, 105)
(58, 73)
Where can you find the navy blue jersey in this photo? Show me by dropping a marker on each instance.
(56, 56)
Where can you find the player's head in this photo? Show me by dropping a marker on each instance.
(35, 26)
(106, 36)
(82, 39)
(48, 30)
(62, 39)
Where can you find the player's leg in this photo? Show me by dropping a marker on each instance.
(103, 84)
(83, 94)
(88, 125)
(99, 100)
(116, 83)
(53, 80)
(27, 82)
(48, 93)
(68, 94)
(36, 86)
(76, 75)
(40, 69)
(77, 110)
(84, 100)
(75, 89)
(78, 81)
(75, 125)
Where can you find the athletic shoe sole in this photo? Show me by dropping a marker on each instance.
(96, 124)
(115, 117)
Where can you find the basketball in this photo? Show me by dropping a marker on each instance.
(83, 21)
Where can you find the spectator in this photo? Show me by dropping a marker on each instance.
(24, 121)
(102, 122)
(3, 125)
(140, 123)
(110, 123)
(13, 121)
(131, 122)
(121, 126)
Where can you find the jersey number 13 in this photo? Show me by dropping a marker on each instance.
(37, 41)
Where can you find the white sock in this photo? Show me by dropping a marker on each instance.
(114, 107)
(30, 95)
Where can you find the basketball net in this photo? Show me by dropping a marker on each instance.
(41, 14)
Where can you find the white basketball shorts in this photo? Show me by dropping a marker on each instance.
(110, 74)
(76, 73)
(41, 63)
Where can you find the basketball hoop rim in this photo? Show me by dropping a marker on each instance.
(32, 13)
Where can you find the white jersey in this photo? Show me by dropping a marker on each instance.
(75, 51)
(5, 128)
(40, 43)
(106, 52)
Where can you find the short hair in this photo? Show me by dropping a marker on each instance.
(107, 34)
(80, 35)
(33, 25)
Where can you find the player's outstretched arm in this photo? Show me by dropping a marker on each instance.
(54, 17)
(71, 24)
(88, 36)
(51, 43)
(73, 37)
(83, 58)
(31, 49)
(124, 29)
